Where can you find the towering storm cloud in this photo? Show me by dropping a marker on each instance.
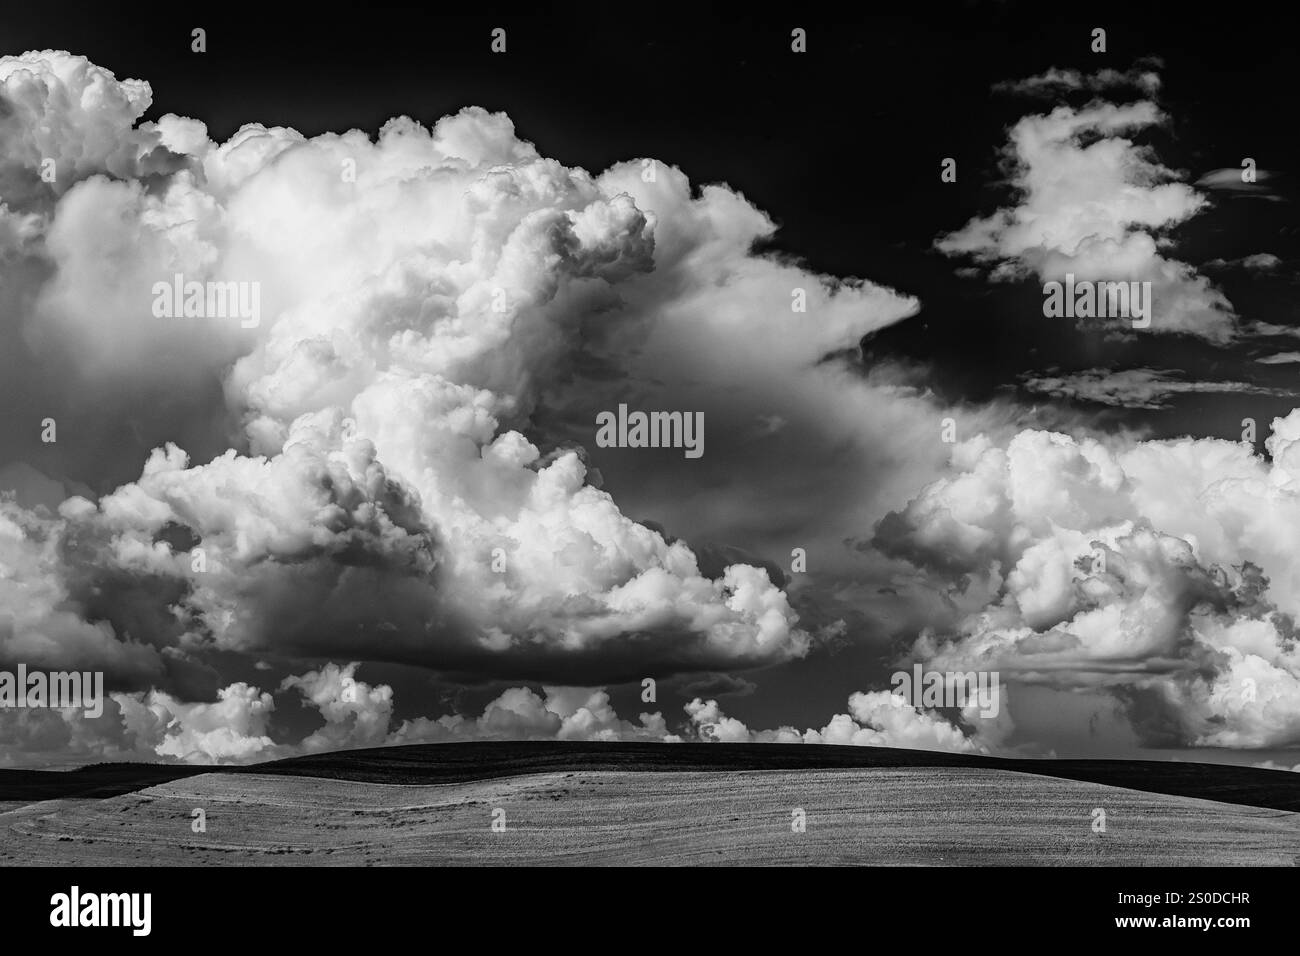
(419, 294)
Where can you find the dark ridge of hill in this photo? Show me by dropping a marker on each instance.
(461, 762)
(453, 763)
(95, 782)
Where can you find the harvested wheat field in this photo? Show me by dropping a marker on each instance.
(889, 816)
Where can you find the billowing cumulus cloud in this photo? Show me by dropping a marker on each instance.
(238, 728)
(65, 109)
(232, 730)
(1159, 574)
(562, 713)
(41, 621)
(356, 714)
(874, 719)
(1092, 202)
(420, 293)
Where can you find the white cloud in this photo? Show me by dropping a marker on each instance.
(1136, 388)
(564, 713)
(65, 108)
(1054, 81)
(1231, 182)
(231, 730)
(40, 623)
(356, 714)
(1258, 262)
(236, 728)
(1161, 572)
(1093, 203)
(875, 719)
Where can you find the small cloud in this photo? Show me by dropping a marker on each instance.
(1259, 262)
(1271, 329)
(1143, 388)
(1229, 180)
(718, 685)
(1055, 81)
(1263, 261)
(1281, 358)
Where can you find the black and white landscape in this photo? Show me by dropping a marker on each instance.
(626, 437)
